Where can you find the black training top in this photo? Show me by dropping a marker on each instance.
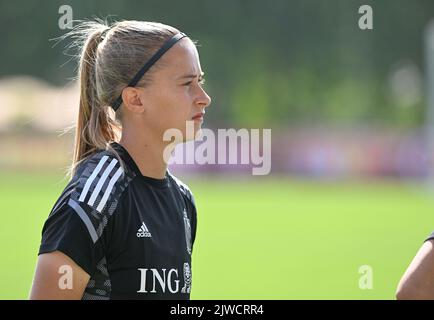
(132, 234)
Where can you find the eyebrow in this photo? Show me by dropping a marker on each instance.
(191, 75)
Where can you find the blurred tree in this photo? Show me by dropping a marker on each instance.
(266, 62)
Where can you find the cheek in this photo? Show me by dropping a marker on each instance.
(175, 110)
(179, 104)
(182, 96)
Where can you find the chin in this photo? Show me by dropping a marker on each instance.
(193, 131)
(197, 135)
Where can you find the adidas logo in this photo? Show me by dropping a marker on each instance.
(143, 231)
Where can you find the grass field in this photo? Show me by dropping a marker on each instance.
(257, 239)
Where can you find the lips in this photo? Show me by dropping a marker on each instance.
(198, 116)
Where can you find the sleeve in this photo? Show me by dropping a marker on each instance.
(430, 237)
(80, 224)
(71, 231)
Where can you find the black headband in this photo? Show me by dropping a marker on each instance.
(166, 46)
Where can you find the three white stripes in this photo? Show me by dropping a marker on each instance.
(91, 178)
(100, 183)
(109, 189)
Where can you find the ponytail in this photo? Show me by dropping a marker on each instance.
(95, 128)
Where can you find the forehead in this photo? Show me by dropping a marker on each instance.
(182, 58)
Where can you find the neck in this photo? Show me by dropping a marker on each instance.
(146, 150)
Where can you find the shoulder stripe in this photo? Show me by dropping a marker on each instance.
(74, 205)
(70, 188)
(91, 178)
(109, 189)
(101, 182)
(62, 199)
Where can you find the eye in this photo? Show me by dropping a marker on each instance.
(201, 82)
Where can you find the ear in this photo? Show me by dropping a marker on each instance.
(133, 99)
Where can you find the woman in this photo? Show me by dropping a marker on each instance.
(124, 227)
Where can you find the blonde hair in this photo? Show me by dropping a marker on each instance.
(110, 55)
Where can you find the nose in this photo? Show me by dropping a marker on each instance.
(204, 100)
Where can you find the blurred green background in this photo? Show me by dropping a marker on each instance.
(350, 182)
